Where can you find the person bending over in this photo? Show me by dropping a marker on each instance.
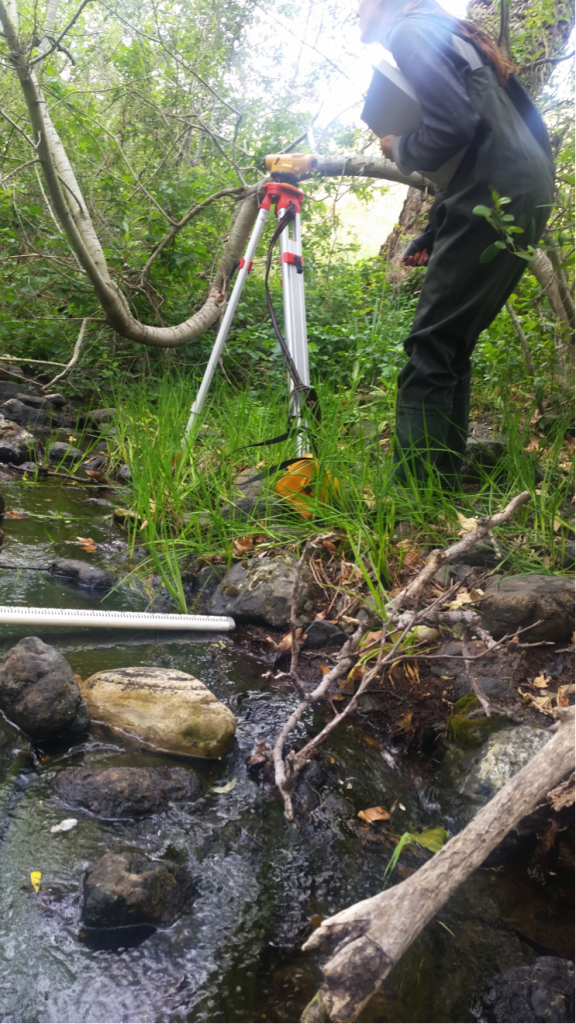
(470, 101)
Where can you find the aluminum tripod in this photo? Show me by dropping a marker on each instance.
(279, 194)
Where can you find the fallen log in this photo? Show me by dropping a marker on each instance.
(368, 938)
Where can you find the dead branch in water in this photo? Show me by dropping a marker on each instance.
(399, 623)
(367, 939)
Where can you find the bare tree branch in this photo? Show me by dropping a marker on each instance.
(369, 938)
(56, 42)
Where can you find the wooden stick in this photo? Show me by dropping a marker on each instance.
(368, 938)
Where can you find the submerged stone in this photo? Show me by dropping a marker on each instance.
(163, 708)
(81, 573)
(127, 889)
(544, 991)
(39, 692)
(126, 792)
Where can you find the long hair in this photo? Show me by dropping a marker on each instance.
(471, 30)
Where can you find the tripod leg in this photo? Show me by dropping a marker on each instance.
(295, 309)
(225, 325)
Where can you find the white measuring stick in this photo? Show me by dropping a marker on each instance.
(113, 620)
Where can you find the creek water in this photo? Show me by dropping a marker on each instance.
(235, 955)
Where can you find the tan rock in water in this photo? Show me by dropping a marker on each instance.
(164, 708)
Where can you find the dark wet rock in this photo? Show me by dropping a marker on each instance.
(483, 554)
(569, 556)
(39, 692)
(126, 792)
(323, 634)
(544, 991)
(261, 591)
(252, 509)
(42, 401)
(95, 462)
(17, 445)
(480, 775)
(82, 574)
(485, 453)
(25, 415)
(519, 601)
(123, 889)
(99, 416)
(200, 587)
(308, 794)
(495, 671)
(62, 452)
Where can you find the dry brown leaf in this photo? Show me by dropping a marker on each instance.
(371, 638)
(14, 515)
(86, 543)
(95, 474)
(325, 669)
(411, 670)
(374, 814)
(286, 641)
(533, 445)
(404, 723)
(542, 704)
(330, 546)
(372, 742)
(463, 597)
(541, 680)
(241, 545)
(561, 699)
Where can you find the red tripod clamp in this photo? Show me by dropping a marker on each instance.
(280, 194)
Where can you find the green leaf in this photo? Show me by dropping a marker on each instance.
(432, 839)
(490, 253)
(482, 211)
(224, 789)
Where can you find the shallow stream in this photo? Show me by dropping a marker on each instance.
(260, 883)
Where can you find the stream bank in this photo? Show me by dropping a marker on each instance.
(259, 886)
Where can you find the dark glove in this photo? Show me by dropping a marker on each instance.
(419, 247)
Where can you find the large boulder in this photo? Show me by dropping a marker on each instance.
(128, 889)
(15, 410)
(39, 692)
(125, 792)
(42, 401)
(17, 445)
(163, 708)
(519, 601)
(544, 991)
(261, 591)
(81, 573)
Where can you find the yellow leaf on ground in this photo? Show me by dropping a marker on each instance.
(541, 680)
(374, 814)
(411, 670)
(464, 597)
(35, 878)
(468, 525)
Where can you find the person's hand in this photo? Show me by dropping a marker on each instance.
(419, 259)
(386, 146)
